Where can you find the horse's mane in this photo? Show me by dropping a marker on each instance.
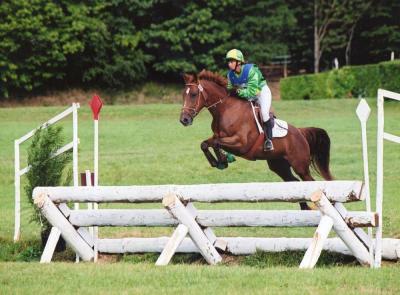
(213, 77)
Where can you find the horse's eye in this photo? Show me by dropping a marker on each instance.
(193, 95)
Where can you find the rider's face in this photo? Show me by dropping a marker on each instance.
(232, 65)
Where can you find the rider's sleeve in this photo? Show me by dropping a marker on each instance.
(229, 85)
(252, 87)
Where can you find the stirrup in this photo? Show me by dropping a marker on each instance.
(268, 146)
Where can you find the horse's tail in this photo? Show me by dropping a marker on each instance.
(320, 145)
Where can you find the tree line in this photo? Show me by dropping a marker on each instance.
(119, 43)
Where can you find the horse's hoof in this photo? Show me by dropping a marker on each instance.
(230, 158)
(222, 166)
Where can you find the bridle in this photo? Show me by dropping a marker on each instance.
(203, 94)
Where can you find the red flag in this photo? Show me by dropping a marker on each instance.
(95, 105)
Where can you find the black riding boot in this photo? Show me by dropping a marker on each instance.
(268, 146)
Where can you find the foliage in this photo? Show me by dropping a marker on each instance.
(46, 170)
(56, 42)
(116, 44)
(351, 81)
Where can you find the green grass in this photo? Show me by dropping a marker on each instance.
(145, 144)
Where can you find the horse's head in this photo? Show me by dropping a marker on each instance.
(193, 99)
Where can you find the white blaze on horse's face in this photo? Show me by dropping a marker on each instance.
(191, 103)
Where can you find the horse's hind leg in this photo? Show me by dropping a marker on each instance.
(282, 168)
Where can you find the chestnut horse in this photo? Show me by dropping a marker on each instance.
(235, 131)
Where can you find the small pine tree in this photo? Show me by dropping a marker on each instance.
(46, 170)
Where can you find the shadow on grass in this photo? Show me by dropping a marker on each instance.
(293, 259)
(30, 251)
(260, 259)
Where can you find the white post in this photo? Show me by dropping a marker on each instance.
(17, 184)
(19, 172)
(68, 232)
(379, 178)
(176, 239)
(363, 111)
(392, 56)
(173, 243)
(178, 210)
(75, 149)
(51, 244)
(342, 230)
(96, 105)
(96, 182)
(75, 154)
(88, 178)
(314, 250)
(336, 63)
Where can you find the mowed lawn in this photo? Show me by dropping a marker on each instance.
(146, 144)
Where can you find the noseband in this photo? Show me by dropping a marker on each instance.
(203, 94)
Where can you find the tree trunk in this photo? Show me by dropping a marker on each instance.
(316, 40)
(348, 46)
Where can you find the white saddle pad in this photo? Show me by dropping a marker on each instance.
(280, 128)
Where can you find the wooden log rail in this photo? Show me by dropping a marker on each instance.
(336, 191)
(214, 218)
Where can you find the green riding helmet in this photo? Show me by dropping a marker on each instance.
(235, 54)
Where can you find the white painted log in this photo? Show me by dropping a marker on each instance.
(213, 218)
(365, 238)
(176, 239)
(51, 244)
(314, 250)
(338, 191)
(341, 228)
(68, 232)
(173, 243)
(64, 209)
(86, 235)
(239, 245)
(176, 208)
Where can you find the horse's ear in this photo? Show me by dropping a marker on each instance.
(188, 78)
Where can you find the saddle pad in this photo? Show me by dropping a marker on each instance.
(280, 128)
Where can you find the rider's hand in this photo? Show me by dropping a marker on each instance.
(234, 91)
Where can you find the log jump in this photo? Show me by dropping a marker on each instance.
(181, 213)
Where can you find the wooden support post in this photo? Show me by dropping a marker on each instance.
(68, 232)
(178, 210)
(343, 231)
(359, 232)
(173, 243)
(51, 244)
(314, 250)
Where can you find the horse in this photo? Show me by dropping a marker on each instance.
(235, 131)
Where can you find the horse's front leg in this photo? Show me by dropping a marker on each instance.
(205, 145)
(221, 158)
(229, 142)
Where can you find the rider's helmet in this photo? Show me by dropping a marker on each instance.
(235, 54)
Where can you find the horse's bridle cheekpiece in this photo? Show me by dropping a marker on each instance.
(205, 96)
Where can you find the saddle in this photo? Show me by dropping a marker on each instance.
(258, 116)
(278, 129)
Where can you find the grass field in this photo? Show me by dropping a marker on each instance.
(145, 144)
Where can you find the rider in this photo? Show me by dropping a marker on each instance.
(248, 82)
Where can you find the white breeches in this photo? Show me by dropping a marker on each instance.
(264, 99)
